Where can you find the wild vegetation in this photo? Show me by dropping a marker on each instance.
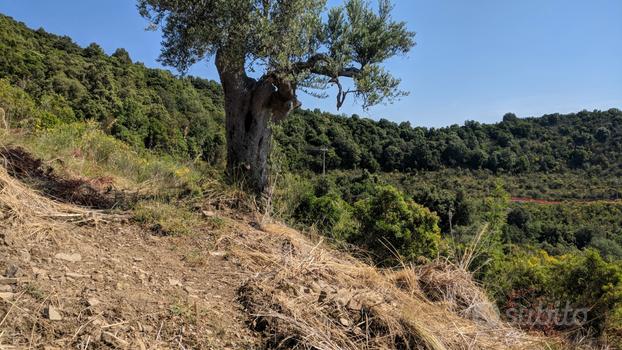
(393, 193)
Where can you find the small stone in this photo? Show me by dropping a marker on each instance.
(174, 282)
(69, 257)
(76, 275)
(11, 270)
(7, 296)
(217, 253)
(24, 256)
(99, 323)
(137, 259)
(354, 304)
(343, 297)
(315, 287)
(53, 314)
(98, 277)
(8, 280)
(121, 285)
(344, 321)
(92, 302)
(208, 213)
(5, 288)
(39, 273)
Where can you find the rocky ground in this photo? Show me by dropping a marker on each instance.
(117, 285)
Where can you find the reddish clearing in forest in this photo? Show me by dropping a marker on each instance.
(576, 201)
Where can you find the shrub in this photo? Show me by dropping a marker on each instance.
(18, 106)
(330, 214)
(580, 280)
(388, 221)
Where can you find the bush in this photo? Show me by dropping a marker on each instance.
(580, 280)
(19, 108)
(388, 221)
(332, 215)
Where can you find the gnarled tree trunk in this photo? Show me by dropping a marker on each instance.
(250, 106)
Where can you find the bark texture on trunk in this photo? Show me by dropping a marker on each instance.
(248, 141)
(250, 106)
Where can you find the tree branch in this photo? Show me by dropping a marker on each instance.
(312, 65)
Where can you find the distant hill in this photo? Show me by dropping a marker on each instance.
(554, 142)
(53, 80)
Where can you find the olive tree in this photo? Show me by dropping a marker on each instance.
(267, 50)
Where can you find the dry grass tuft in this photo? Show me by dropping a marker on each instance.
(445, 282)
(307, 296)
(22, 204)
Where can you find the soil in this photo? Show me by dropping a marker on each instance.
(118, 286)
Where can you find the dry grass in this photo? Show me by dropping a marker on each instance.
(445, 282)
(29, 212)
(308, 297)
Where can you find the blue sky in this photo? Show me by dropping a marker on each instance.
(474, 60)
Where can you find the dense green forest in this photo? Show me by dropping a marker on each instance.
(421, 191)
(183, 116)
(47, 79)
(585, 140)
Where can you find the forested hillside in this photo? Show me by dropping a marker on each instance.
(53, 80)
(585, 140)
(47, 79)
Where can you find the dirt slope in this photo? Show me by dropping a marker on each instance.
(85, 279)
(116, 285)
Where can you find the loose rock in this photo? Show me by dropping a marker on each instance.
(8, 280)
(6, 296)
(208, 213)
(315, 287)
(76, 275)
(354, 304)
(11, 270)
(39, 273)
(53, 314)
(69, 257)
(174, 282)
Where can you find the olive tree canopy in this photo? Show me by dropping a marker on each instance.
(287, 45)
